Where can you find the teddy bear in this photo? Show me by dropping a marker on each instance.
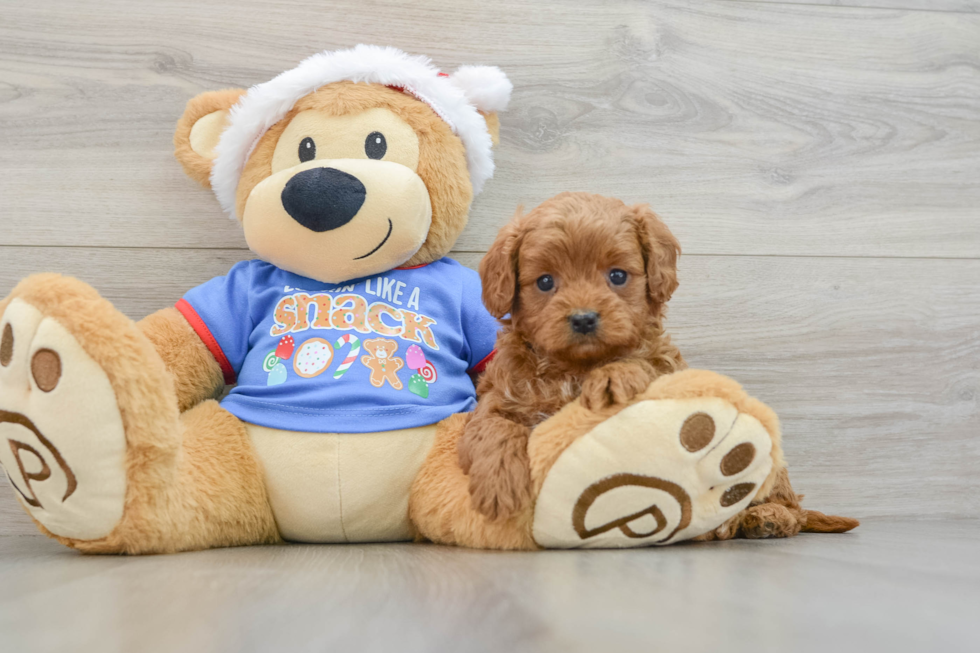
(383, 364)
(351, 176)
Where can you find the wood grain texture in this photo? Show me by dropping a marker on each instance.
(755, 128)
(784, 144)
(889, 586)
(958, 6)
(872, 364)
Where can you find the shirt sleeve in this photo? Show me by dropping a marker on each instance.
(219, 313)
(479, 327)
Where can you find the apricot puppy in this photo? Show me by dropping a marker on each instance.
(584, 280)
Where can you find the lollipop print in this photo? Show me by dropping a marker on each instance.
(428, 372)
(270, 362)
(415, 359)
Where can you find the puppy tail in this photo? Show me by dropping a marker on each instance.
(817, 522)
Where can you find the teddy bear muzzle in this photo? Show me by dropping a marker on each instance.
(338, 219)
(322, 199)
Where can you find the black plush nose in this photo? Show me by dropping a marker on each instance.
(322, 199)
(584, 322)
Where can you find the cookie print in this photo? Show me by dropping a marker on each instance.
(382, 362)
(313, 357)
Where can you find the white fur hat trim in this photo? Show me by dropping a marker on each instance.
(455, 98)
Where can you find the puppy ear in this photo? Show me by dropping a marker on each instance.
(498, 269)
(660, 251)
(199, 130)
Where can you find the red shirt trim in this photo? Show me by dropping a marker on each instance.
(202, 331)
(413, 267)
(482, 365)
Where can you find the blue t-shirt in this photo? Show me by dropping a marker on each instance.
(392, 351)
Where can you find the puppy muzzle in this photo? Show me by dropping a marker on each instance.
(584, 323)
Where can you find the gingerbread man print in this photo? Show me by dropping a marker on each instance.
(383, 364)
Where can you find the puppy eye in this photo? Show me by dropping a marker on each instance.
(546, 283)
(618, 277)
(307, 150)
(375, 145)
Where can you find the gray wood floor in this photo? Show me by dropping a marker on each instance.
(819, 162)
(889, 586)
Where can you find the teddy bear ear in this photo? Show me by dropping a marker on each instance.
(493, 126)
(199, 130)
(488, 89)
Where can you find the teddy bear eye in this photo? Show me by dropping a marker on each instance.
(618, 277)
(375, 145)
(307, 150)
(546, 282)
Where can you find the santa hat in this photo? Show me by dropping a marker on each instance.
(455, 98)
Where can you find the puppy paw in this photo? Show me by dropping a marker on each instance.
(615, 384)
(500, 485)
(768, 520)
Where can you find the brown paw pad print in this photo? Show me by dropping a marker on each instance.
(46, 369)
(697, 432)
(656, 472)
(62, 439)
(642, 523)
(35, 460)
(7, 345)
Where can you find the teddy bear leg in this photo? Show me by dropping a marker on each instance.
(218, 496)
(692, 457)
(683, 458)
(440, 506)
(197, 376)
(92, 440)
(442, 510)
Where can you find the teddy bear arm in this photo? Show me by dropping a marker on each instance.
(196, 374)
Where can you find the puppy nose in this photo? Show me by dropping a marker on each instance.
(584, 322)
(322, 199)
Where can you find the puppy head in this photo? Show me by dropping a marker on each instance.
(581, 276)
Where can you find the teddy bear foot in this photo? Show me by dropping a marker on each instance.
(94, 444)
(62, 439)
(656, 472)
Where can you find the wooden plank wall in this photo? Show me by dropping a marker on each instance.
(819, 163)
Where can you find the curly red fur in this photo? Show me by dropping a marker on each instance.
(542, 363)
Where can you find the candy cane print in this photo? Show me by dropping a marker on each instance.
(355, 349)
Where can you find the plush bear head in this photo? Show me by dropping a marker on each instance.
(381, 348)
(355, 162)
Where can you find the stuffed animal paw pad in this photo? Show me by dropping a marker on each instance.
(62, 440)
(657, 472)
